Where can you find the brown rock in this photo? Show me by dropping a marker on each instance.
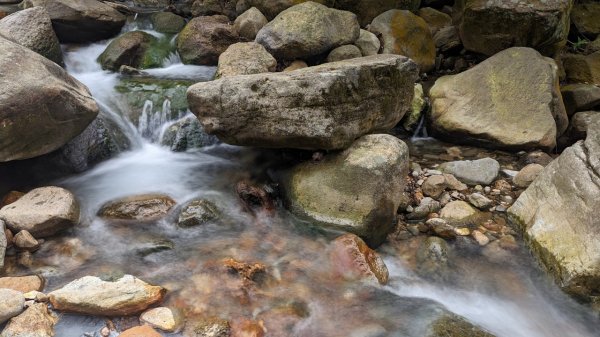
(11, 197)
(247, 328)
(140, 331)
(25, 241)
(527, 175)
(143, 207)
(205, 38)
(582, 68)
(23, 284)
(36, 321)
(351, 259)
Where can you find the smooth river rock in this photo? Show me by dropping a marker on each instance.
(92, 296)
(32, 29)
(322, 107)
(473, 172)
(308, 29)
(41, 106)
(12, 303)
(509, 101)
(36, 321)
(559, 216)
(145, 207)
(42, 212)
(245, 58)
(249, 23)
(163, 318)
(23, 284)
(357, 190)
(82, 20)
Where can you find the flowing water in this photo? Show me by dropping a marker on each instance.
(506, 294)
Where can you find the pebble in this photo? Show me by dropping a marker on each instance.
(501, 208)
(479, 188)
(433, 173)
(479, 200)
(507, 199)
(487, 189)
(463, 231)
(481, 238)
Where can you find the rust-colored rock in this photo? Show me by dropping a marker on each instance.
(140, 331)
(351, 258)
(23, 284)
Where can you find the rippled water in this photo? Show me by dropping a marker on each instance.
(509, 296)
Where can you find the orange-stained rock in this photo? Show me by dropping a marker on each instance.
(352, 259)
(247, 328)
(11, 197)
(23, 284)
(140, 331)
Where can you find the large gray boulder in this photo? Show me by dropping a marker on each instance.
(42, 212)
(559, 217)
(488, 27)
(509, 101)
(307, 30)
(41, 106)
(82, 20)
(357, 190)
(32, 28)
(322, 107)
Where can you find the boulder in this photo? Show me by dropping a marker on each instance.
(582, 68)
(36, 321)
(580, 97)
(23, 284)
(81, 21)
(41, 106)
(367, 10)
(198, 212)
(585, 16)
(12, 304)
(205, 38)
(32, 28)
(214, 7)
(165, 319)
(250, 23)
(404, 33)
(272, 8)
(352, 259)
(580, 122)
(558, 215)
(527, 175)
(435, 19)
(308, 29)
(488, 27)
(322, 107)
(473, 172)
(346, 52)
(92, 296)
(447, 39)
(509, 101)
(167, 22)
(130, 49)
(245, 58)
(146, 207)
(368, 43)
(42, 212)
(357, 190)
(140, 331)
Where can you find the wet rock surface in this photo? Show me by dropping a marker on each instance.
(143, 207)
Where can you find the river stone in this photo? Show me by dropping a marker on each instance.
(92, 296)
(473, 172)
(36, 321)
(558, 215)
(490, 26)
(31, 28)
(205, 38)
(208, 327)
(42, 212)
(585, 17)
(12, 303)
(41, 106)
(425, 207)
(272, 8)
(23, 284)
(3, 243)
(346, 52)
(368, 43)
(146, 207)
(447, 39)
(433, 259)
(580, 123)
(81, 21)
(451, 325)
(580, 97)
(198, 212)
(321, 107)
(250, 23)
(129, 49)
(582, 68)
(480, 201)
(25, 241)
(367, 10)
(166, 319)
(167, 22)
(459, 213)
(410, 122)
(352, 259)
(187, 134)
(509, 101)
(308, 29)
(214, 7)
(404, 33)
(527, 175)
(245, 58)
(140, 331)
(357, 190)
(435, 19)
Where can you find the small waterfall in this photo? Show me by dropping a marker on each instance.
(151, 121)
(421, 130)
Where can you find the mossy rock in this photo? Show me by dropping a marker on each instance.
(136, 49)
(455, 326)
(167, 22)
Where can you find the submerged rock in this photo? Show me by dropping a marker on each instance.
(357, 190)
(166, 319)
(509, 101)
(558, 215)
(198, 212)
(43, 212)
(92, 296)
(12, 303)
(205, 38)
(245, 58)
(41, 106)
(144, 207)
(36, 321)
(433, 259)
(352, 259)
(187, 134)
(81, 21)
(308, 29)
(451, 325)
(31, 28)
(473, 172)
(209, 327)
(140, 331)
(488, 27)
(322, 107)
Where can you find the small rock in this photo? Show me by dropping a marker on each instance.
(163, 318)
(432, 258)
(36, 321)
(140, 331)
(427, 206)
(463, 231)
(23, 284)
(527, 175)
(441, 228)
(346, 52)
(297, 64)
(198, 212)
(479, 200)
(143, 207)
(536, 157)
(434, 186)
(247, 328)
(476, 172)
(368, 43)
(458, 213)
(25, 241)
(352, 259)
(481, 238)
(12, 304)
(210, 327)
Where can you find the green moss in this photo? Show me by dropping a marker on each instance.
(158, 51)
(137, 90)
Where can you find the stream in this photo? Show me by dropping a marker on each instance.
(505, 293)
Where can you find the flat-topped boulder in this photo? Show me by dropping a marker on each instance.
(510, 101)
(322, 107)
